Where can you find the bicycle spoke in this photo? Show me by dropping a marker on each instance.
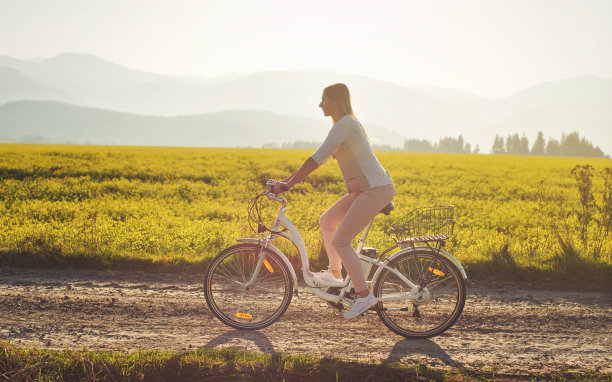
(257, 305)
(230, 280)
(439, 281)
(437, 303)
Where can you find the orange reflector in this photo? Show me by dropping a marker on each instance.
(436, 272)
(244, 315)
(268, 266)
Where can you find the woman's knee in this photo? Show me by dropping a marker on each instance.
(326, 222)
(339, 243)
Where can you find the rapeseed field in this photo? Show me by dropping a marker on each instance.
(517, 217)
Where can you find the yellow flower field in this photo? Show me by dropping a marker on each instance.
(153, 207)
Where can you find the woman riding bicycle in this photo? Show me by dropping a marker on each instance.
(369, 186)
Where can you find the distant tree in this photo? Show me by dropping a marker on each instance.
(269, 146)
(523, 146)
(498, 145)
(516, 145)
(452, 145)
(301, 145)
(509, 149)
(378, 147)
(476, 150)
(553, 147)
(513, 143)
(447, 145)
(444, 145)
(572, 145)
(418, 145)
(460, 145)
(539, 146)
(463, 146)
(32, 138)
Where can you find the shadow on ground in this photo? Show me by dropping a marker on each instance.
(259, 339)
(400, 350)
(426, 347)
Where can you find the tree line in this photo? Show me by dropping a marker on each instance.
(571, 145)
(443, 145)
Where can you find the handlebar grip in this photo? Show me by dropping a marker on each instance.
(271, 182)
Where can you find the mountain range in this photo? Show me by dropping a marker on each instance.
(76, 93)
(50, 121)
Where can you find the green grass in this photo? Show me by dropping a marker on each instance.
(21, 364)
(173, 209)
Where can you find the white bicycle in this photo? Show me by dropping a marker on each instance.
(420, 289)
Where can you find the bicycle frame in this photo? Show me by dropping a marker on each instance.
(420, 290)
(295, 238)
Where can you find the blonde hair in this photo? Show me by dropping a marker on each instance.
(339, 93)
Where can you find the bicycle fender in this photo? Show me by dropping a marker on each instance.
(439, 251)
(278, 252)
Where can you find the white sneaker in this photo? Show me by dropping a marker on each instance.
(361, 305)
(327, 278)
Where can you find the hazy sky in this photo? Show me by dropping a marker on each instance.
(492, 47)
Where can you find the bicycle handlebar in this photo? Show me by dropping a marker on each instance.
(271, 195)
(254, 209)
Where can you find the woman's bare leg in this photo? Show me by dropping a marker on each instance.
(329, 222)
(362, 210)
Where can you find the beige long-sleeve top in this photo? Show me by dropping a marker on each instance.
(348, 144)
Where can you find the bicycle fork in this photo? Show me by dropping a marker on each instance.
(261, 260)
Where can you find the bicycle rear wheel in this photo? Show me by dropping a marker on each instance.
(247, 307)
(443, 294)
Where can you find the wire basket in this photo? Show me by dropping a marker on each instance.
(424, 224)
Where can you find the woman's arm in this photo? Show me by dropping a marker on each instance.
(338, 134)
(309, 166)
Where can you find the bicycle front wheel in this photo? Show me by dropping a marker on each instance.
(242, 296)
(441, 291)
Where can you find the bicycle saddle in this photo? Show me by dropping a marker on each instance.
(387, 209)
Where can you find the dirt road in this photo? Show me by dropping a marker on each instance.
(515, 330)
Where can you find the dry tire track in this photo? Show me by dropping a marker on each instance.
(514, 330)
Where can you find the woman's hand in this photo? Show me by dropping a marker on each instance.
(280, 187)
(309, 166)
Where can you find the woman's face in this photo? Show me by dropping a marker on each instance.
(328, 105)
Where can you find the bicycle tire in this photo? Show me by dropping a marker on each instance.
(432, 315)
(257, 306)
